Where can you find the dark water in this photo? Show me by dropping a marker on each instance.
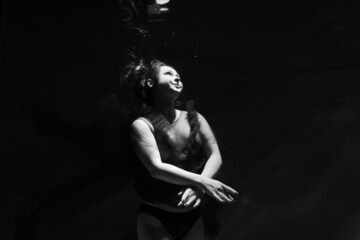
(278, 82)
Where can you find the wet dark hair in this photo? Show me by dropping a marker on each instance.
(162, 127)
(141, 73)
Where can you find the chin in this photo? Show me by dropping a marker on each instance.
(176, 90)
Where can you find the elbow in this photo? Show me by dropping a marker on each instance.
(216, 161)
(219, 160)
(155, 172)
(220, 163)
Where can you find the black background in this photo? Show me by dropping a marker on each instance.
(277, 80)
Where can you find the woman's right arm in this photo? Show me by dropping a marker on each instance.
(144, 144)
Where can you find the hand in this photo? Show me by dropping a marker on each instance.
(190, 196)
(217, 190)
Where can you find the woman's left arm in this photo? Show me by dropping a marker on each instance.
(211, 148)
(193, 196)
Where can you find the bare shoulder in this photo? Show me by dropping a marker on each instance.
(142, 124)
(201, 118)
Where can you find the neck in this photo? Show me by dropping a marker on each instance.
(166, 107)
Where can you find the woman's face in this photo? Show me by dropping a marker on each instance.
(168, 81)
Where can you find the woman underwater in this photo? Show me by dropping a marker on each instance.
(179, 155)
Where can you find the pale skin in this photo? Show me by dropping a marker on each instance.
(165, 92)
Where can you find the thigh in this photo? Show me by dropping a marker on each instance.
(196, 232)
(150, 228)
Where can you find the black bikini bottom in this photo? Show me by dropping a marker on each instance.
(177, 224)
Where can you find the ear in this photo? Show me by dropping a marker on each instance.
(149, 82)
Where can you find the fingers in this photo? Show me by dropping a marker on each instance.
(221, 195)
(184, 196)
(224, 196)
(230, 190)
(190, 201)
(197, 203)
(190, 197)
(232, 199)
(217, 197)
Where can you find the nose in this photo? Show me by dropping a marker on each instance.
(177, 80)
